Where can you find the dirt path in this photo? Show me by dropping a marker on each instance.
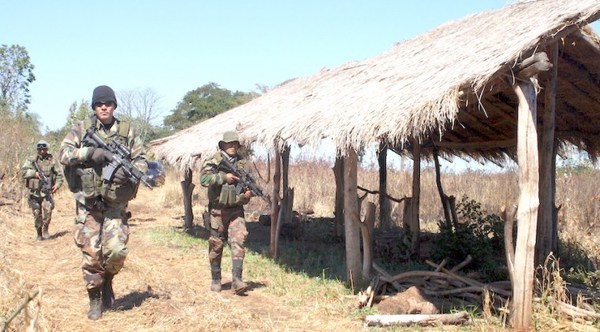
(161, 288)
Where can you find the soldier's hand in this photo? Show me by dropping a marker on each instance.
(54, 188)
(248, 193)
(231, 178)
(120, 176)
(99, 156)
(37, 175)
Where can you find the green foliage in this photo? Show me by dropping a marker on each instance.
(204, 103)
(478, 234)
(16, 73)
(574, 256)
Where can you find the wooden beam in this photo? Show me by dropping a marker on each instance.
(533, 65)
(592, 43)
(480, 123)
(487, 145)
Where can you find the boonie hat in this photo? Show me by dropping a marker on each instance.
(228, 137)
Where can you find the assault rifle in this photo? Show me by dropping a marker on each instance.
(244, 178)
(120, 158)
(46, 184)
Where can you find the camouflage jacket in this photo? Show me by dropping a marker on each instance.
(74, 151)
(214, 178)
(48, 165)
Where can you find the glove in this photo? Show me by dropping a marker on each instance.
(99, 156)
(120, 176)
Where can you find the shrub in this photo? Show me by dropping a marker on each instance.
(477, 234)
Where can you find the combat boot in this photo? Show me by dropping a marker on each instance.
(39, 234)
(237, 284)
(95, 311)
(45, 234)
(108, 296)
(215, 270)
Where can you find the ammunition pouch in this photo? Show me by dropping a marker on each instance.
(118, 193)
(228, 195)
(33, 184)
(73, 178)
(88, 185)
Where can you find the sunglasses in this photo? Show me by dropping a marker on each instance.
(107, 103)
(42, 146)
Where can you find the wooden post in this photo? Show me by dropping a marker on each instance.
(285, 209)
(415, 225)
(384, 202)
(547, 232)
(366, 228)
(275, 206)
(527, 156)
(187, 187)
(352, 219)
(446, 206)
(338, 173)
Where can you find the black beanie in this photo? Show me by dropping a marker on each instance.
(103, 94)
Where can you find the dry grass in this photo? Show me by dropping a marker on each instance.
(164, 285)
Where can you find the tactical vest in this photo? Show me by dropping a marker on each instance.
(226, 195)
(88, 180)
(45, 166)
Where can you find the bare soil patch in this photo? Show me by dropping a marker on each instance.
(161, 287)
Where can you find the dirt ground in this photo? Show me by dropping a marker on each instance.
(160, 288)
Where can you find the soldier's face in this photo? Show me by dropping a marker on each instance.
(104, 112)
(42, 151)
(231, 148)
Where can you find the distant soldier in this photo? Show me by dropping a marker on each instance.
(101, 230)
(43, 176)
(226, 200)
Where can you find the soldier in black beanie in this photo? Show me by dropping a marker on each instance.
(103, 94)
(101, 231)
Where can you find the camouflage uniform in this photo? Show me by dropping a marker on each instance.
(38, 200)
(226, 210)
(101, 230)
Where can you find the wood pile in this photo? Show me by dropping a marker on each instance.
(420, 297)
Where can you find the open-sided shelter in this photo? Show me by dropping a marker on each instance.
(469, 87)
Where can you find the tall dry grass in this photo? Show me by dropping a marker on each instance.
(577, 195)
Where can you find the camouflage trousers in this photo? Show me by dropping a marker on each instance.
(102, 236)
(42, 210)
(227, 225)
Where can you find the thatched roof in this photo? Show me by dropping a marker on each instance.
(450, 87)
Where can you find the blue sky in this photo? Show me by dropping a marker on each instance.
(175, 46)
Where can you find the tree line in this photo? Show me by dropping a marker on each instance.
(136, 106)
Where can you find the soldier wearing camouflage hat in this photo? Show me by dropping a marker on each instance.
(226, 209)
(101, 231)
(35, 171)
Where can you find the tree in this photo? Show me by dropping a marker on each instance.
(16, 73)
(140, 108)
(203, 103)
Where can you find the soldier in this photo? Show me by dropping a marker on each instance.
(101, 230)
(226, 208)
(43, 176)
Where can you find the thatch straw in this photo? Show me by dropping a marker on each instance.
(408, 91)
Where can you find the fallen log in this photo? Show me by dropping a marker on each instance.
(458, 318)
(471, 282)
(386, 275)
